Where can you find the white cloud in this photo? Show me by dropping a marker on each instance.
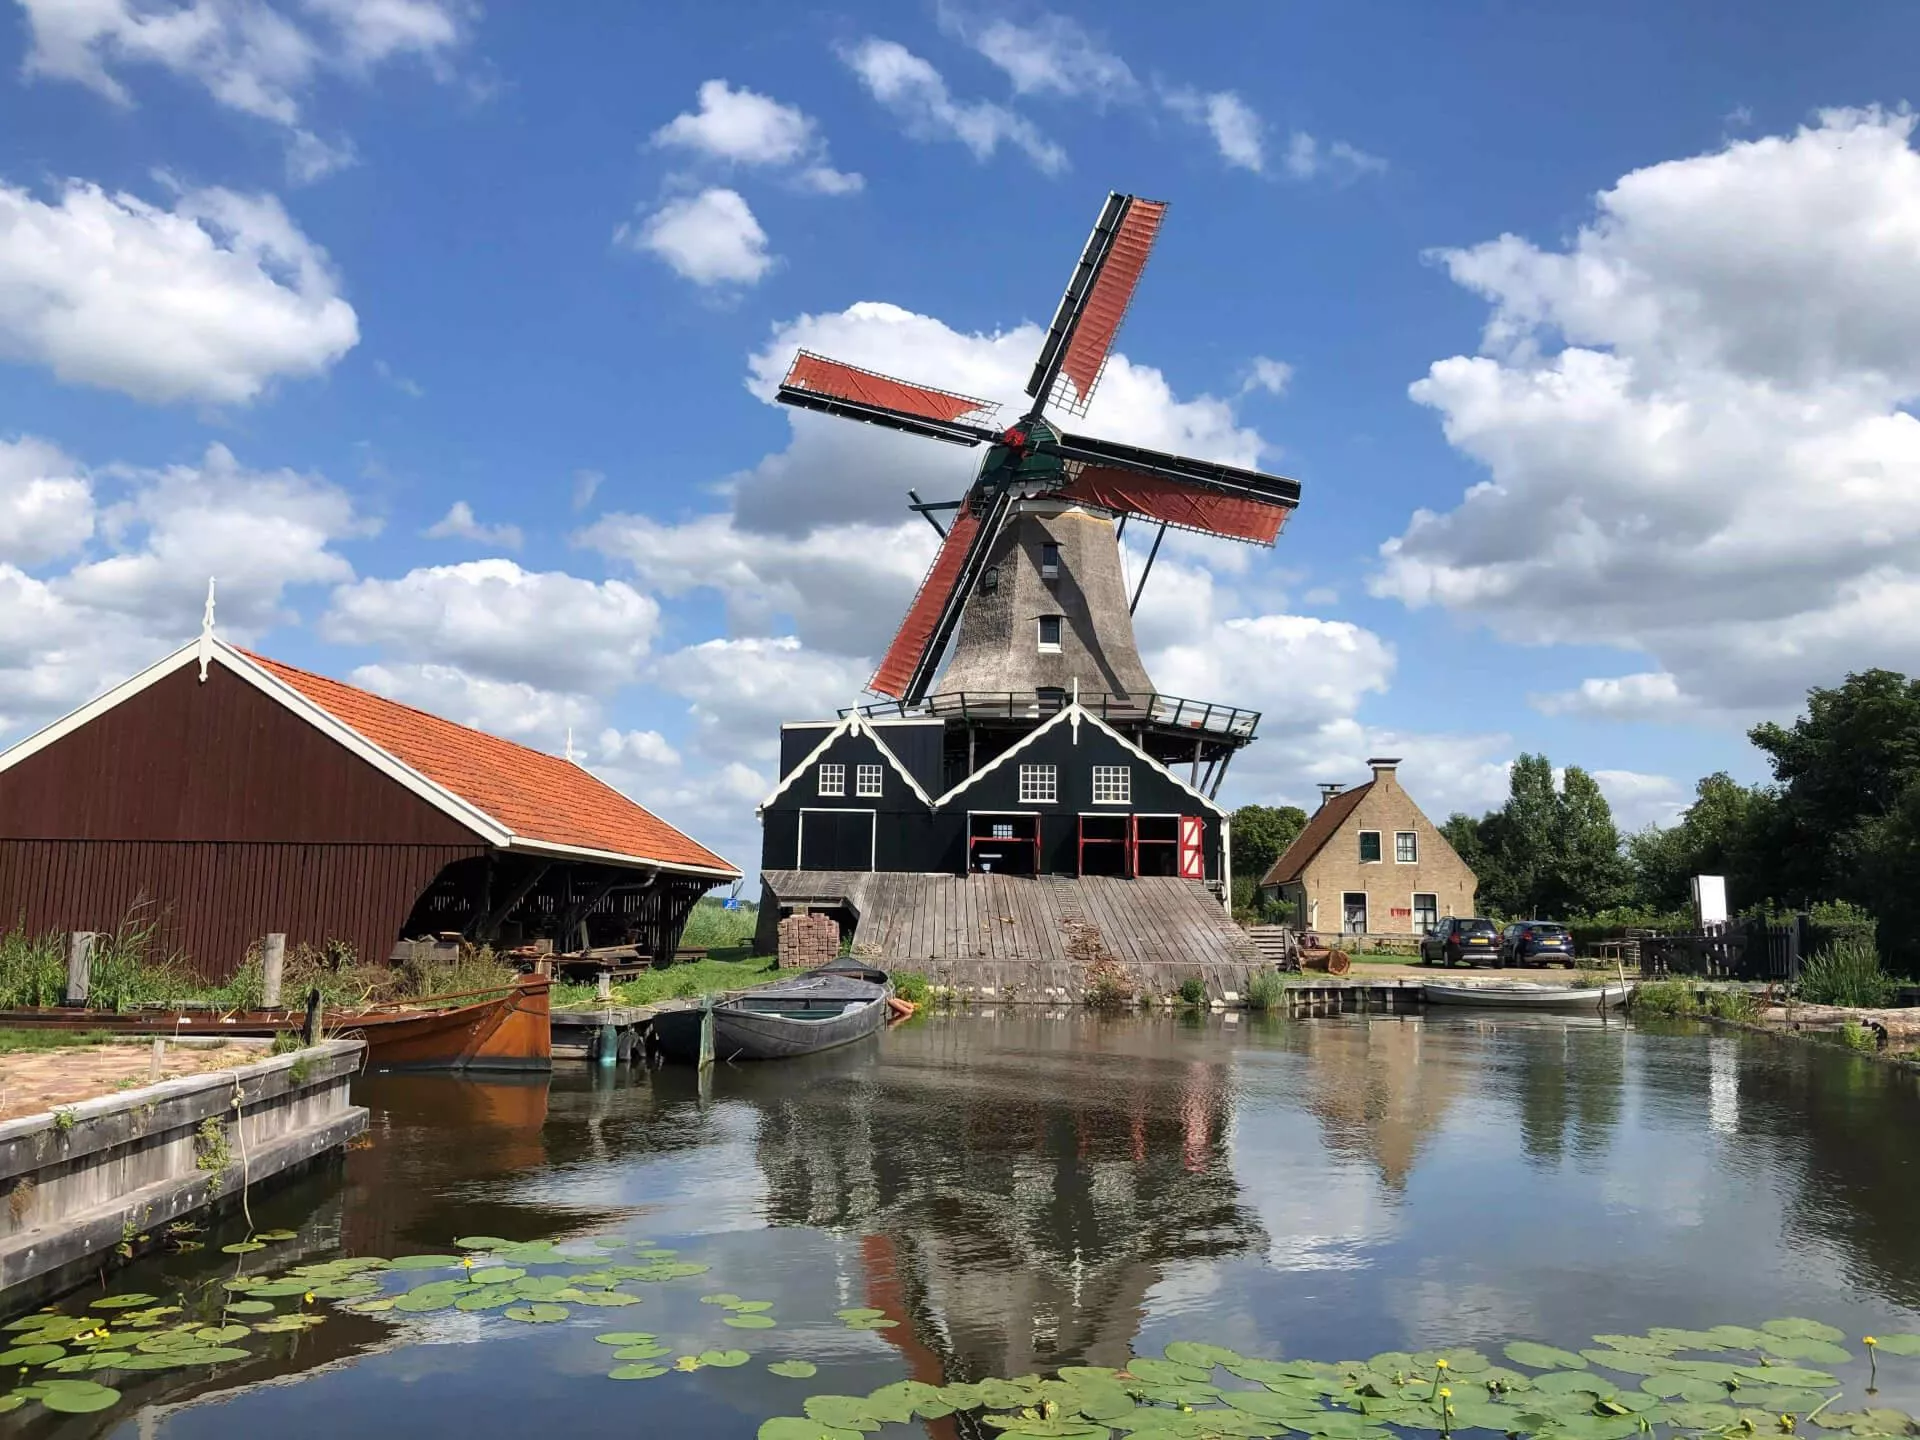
(1272, 376)
(46, 503)
(248, 55)
(1307, 158)
(1694, 423)
(513, 708)
(141, 563)
(494, 620)
(1238, 132)
(459, 524)
(743, 127)
(917, 94)
(586, 484)
(1052, 56)
(740, 690)
(710, 238)
(1639, 800)
(1650, 695)
(407, 387)
(641, 747)
(211, 301)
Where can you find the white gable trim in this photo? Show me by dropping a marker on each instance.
(1075, 714)
(854, 724)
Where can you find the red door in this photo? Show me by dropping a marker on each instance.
(1193, 856)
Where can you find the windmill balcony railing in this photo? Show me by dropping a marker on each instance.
(1167, 711)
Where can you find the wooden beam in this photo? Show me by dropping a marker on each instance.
(486, 924)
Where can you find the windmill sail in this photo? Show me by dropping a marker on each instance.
(906, 655)
(1096, 300)
(814, 382)
(1181, 505)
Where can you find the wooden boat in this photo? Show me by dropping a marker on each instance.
(834, 1005)
(509, 1031)
(1525, 995)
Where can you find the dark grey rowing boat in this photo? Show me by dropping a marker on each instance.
(834, 1005)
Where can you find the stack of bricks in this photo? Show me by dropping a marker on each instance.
(808, 940)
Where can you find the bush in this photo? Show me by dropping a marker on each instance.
(1663, 997)
(1737, 1005)
(1847, 972)
(711, 926)
(912, 986)
(1265, 990)
(1109, 985)
(1193, 991)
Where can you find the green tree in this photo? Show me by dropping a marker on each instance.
(1261, 834)
(1888, 848)
(1728, 830)
(1583, 868)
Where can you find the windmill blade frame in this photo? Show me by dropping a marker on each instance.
(833, 387)
(1184, 469)
(1176, 503)
(906, 671)
(1080, 339)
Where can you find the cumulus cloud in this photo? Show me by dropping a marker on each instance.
(918, 96)
(1695, 424)
(1237, 130)
(1649, 695)
(743, 127)
(513, 708)
(459, 523)
(210, 301)
(255, 58)
(492, 619)
(711, 238)
(1052, 55)
(46, 503)
(1272, 376)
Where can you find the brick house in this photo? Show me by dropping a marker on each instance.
(1370, 863)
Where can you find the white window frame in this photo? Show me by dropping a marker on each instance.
(1049, 647)
(1413, 909)
(831, 780)
(1049, 567)
(1413, 839)
(800, 832)
(1121, 794)
(867, 781)
(1039, 784)
(1380, 851)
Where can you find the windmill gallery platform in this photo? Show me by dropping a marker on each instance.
(1013, 811)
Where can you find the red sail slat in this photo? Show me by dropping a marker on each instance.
(916, 631)
(848, 382)
(1187, 507)
(1108, 298)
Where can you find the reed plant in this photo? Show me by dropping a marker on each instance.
(1847, 972)
(1265, 991)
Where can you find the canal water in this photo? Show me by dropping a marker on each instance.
(1022, 1190)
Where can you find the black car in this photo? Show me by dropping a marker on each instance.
(1474, 940)
(1536, 942)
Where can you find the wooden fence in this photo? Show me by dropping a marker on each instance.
(1750, 950)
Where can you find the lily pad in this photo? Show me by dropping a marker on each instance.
(750, 1307)
(872, 1324)
(1638, 1344)
(276, 1236)
(602, 1299)
(647, 1350)
(487, 1297)
(636, 1372)
(1790, 1375)
(1165, 1372)
(724, 1359)
(856, 1314)
(79, 1397)
(416, 1302)
(1061, 1426)
(423, 1262)
(120, 1302)
(794, 1427)
(223, 1334)
(32, 1354)
(495, 1274)
(1677, 1340)
(482, 1242)
(536, 1314)
(626, 1337)
(1627, 1362)
(1899, 1344)
(795, 1369)
(1789, 1347)
(845, 1412)
(1536, 1356)
(1199, 1356)
(749, 1322)
(1795, 1328)
(243, 1247)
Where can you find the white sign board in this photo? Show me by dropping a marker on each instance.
(1710, 899)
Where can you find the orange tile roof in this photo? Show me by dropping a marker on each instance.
(1310, 841)
(537, 797)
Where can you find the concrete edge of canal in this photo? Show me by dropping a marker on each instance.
(81, 1181)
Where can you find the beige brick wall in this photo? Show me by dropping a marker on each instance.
(1388, 885)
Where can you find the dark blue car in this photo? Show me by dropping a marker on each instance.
(1536, 942)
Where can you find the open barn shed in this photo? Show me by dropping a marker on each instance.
(221, 796)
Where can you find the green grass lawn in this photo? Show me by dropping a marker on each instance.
(13, 1042)
(730, 969)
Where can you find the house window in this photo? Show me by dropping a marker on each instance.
(1039, 784)
(990, 580)
(1050, 634)
(833, 779)
(1426, 912)
(866, 780)
(1049, 560)
(1406, 847)
(1112, 785)
(1369, 847)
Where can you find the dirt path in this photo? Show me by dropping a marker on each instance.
(35, 1081)
(1412, 970)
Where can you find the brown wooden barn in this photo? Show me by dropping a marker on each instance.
(223, 796)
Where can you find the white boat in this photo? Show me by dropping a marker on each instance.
(1525, 995)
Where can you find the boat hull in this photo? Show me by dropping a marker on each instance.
(778, 1021)
(1564, 999)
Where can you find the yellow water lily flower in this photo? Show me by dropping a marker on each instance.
(1868, 1340)
(1446, 1393)
(1441, 1363)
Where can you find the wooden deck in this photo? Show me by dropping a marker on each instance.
(1024, 937)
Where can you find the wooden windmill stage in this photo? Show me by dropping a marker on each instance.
(1017, 732)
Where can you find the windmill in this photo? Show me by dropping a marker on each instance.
(1006, 556)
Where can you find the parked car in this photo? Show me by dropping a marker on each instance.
(1473, 940)
(1536, 942)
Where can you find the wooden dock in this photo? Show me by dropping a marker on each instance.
(1031, 937)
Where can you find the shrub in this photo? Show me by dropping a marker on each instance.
(1265, 991)
(912, 986)
(1847, 972)
(1109, 985)
(1663, 997)
(1737, 1005)
(1856, 1036)
(1193, 991)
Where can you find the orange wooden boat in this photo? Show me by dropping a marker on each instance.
(510, 1031)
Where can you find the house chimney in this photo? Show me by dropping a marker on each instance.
(1383, 768)
(1329, 789)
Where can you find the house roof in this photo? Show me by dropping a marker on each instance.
(1325, 823)
(535, 796)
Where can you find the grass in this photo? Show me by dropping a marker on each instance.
(913, 987)
(692, 977)
(711, 926)
(16, 1042)
(1847, 972)
(1265, 991)
(1681, 998)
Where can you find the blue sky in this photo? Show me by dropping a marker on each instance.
(443, 336)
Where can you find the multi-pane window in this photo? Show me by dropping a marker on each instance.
(1426, 912)
(1369, 847)
(1039, 784)
(833, 779)
(1406, 847)
(1049, 560)
(1112, 785)
(866, 780)
(1049, 633)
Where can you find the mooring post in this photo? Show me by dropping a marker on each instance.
(312, 1035)
(603, 986)
(154, 1063)
(79, 965)
(273, 961)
